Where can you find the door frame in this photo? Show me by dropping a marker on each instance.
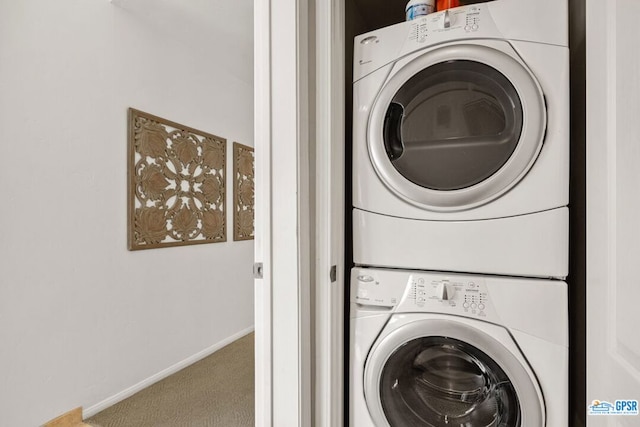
(329, 24)
(613, 371)
(299, 73)
(283, 374)
(262, 242)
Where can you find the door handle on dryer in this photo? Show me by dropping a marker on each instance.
(392, 131)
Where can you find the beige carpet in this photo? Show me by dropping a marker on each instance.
(217, 391)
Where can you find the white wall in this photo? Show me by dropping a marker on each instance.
(82, 318)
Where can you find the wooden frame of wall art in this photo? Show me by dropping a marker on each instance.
(243, 192)
(176, 184)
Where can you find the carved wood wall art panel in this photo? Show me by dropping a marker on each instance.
(243, 192)
(176, 184)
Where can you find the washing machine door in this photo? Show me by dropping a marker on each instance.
(457, 126)
(438, 373)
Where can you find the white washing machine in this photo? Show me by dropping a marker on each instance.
(461, 141)
(448, 350)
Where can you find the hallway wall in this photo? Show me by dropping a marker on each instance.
(82, 318)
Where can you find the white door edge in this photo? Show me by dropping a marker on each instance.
(330, 181)
(283, 236)
(613, 356)
(262, 247)
(287, 241)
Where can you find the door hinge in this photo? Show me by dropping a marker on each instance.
(257, 270)
(333, 273)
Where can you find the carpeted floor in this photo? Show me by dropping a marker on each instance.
(217, 391)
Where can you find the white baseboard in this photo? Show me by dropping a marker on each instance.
(110, 401)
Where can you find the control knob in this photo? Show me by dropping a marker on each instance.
(445, 291)
(447, 19)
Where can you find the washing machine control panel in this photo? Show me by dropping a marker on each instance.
(386, 289)
(372, 289)
(456, 295)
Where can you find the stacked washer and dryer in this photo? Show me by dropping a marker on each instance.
(459, 312)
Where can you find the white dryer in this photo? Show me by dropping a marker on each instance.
(445, 350)
(461, 141)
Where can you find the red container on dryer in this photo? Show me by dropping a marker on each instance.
(447, 4)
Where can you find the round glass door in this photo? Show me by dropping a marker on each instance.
(456, 127)
(440, 372)
(452, 125)
(443, 382)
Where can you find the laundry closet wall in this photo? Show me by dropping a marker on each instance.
(82, 319)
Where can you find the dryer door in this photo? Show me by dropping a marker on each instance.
(443, 374)
(457, 126)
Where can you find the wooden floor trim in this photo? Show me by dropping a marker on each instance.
(72, 418)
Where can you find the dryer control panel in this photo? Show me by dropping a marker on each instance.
(461, 19)
(377, 48)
